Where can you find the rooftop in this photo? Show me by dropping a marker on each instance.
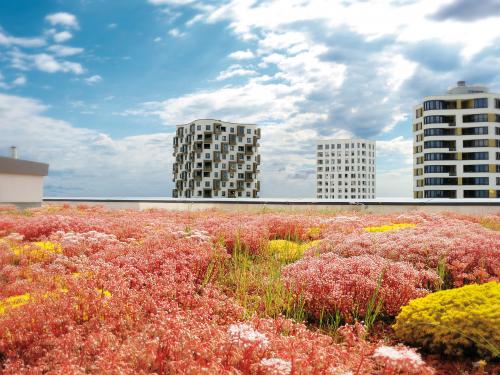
(463, 88)
(23, 167)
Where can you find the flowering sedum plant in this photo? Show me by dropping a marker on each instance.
(89, 290)
(456, 322)
(330, 284)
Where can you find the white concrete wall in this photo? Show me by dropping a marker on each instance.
(17, 188)
(380, 206)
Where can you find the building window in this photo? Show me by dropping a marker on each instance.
(439, 156)
(481, 117)
(476, 194)
(440, 194)
(434, 119)
(497, 103)
(440, 181)
(431, 105)
(437, 131)
(475, 131)
(476, 143)
(481, 103)
(475, 156)
(476, 168)
(475, 181)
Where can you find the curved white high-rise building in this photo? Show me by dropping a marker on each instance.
(456, 144)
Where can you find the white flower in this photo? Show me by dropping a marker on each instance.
(14, 237)
(277, 366)
(399, 354)
(244, 333)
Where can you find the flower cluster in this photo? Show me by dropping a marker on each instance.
(466, 251)
(331, 284)
(89, 290)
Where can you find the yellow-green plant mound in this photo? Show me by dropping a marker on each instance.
(462, 321)
(289, 251)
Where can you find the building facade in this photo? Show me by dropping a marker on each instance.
(21, 181)
(216, 159)
(456, 144)
(345, 169)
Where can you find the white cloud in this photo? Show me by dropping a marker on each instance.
(176, 33)
(235, 71)
(49, 64)
(8, 40)
(241, 55)
(157, 39)
(62, 37)
(93, 79)
(331, 68)
(63, 19)
(86, 162)
(396, 148)
(112, 25)
(3, 85)
(65, 50)
(171, 2)
(19, 81)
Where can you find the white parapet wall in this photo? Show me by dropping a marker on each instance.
(18, 188)
(381, 206)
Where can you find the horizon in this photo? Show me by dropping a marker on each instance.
(96, 88)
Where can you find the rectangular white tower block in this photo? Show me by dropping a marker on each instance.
(345, 169)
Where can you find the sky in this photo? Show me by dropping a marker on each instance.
(96, 87)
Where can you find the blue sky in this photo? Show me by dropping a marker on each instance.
(95, 87)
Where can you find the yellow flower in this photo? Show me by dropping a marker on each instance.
(14, 302)
(313, 232)
(385, 228)
(288, 251)
(104, 292)
(456, 321)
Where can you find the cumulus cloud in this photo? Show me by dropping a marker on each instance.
(235, 71)
(171, 2)
(241, 55)
(85, 162)
(47, 63)
(65, 50)
(62, 36)
(93, 79)
(8, 40)
(19, 81)
(467, 11)
(62, 19)
(176, 33)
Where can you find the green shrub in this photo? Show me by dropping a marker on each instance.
(462, 321)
